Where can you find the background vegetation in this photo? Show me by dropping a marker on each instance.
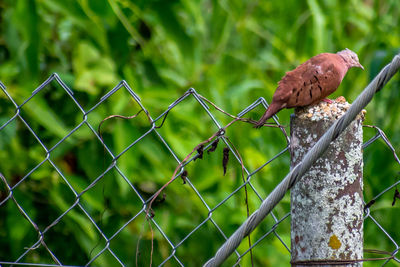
(231, 52)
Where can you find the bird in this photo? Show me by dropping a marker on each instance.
(311, 82)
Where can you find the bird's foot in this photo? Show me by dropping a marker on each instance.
(340, 99)
(327, 100)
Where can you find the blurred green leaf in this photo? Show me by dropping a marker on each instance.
(7, 133)
(231, 52)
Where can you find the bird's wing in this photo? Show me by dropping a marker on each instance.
(310, 82)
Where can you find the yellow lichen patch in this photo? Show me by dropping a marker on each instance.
(334, 242)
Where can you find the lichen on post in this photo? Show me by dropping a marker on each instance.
(326, 203)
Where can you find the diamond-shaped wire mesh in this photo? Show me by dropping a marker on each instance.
(74, 201)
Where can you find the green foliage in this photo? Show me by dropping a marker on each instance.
(231, 52)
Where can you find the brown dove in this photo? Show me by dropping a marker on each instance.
(311, 82)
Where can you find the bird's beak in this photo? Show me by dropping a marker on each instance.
(360, 66)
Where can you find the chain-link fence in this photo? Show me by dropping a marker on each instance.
(33, 244)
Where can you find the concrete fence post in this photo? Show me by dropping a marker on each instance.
(326, 204)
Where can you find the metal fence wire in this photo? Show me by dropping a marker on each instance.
(49, 255)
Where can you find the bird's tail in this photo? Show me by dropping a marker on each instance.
(271, 111)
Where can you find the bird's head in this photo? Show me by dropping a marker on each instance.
(350, 58)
